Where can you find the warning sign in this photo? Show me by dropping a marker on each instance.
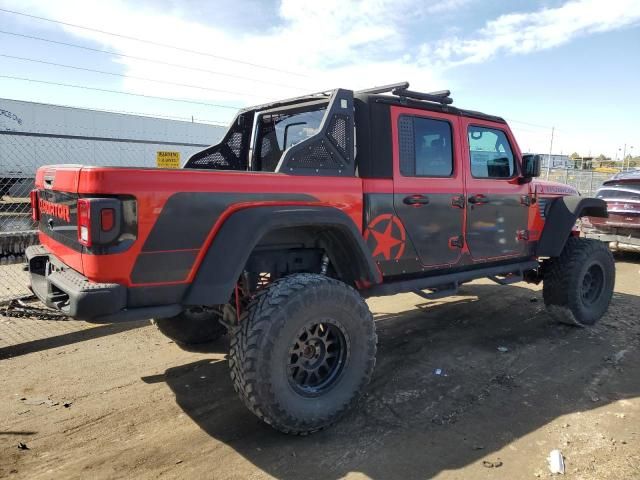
(168, 159)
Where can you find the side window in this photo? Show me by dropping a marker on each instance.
(490, 153)
(425, 147)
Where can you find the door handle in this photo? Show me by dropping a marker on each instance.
(416, 200)
(478, 199)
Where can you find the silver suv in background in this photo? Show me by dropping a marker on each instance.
(622, 227)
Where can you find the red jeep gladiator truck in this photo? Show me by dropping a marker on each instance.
(306, 207)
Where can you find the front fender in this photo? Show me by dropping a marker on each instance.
(560, 218)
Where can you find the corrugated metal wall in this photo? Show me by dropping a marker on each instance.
(73, 135)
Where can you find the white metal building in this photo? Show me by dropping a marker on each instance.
(557, 161)
(35, 134)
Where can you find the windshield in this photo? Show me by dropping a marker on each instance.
(280, 130)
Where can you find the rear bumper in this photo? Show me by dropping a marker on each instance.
(59, 286)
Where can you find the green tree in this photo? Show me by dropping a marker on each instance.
(631, 162)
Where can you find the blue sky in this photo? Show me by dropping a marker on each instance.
(570, 64)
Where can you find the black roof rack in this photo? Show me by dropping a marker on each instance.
(441, 96)
(383, 88)
(401, 89)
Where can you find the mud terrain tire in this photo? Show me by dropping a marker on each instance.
(578, 285)
(303, 353)
(191, 327)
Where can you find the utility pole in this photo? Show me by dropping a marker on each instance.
(624, 154)
(550, 150)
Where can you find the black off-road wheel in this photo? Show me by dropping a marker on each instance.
(193, 326)
(303, 353)
(578, 285)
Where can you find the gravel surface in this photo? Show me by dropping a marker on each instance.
(13, 282)
(481, 385)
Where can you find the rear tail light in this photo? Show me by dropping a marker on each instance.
(99, 221)
(35, 210)
(623, 207)
(632, 207)
(107, 219)
(84, 222)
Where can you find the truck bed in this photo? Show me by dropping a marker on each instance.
(183, 205)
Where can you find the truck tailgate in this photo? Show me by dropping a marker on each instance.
(57, 187)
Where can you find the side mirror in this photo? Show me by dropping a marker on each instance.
(531, 165)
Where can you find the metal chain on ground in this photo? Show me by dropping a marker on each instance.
(17, 308)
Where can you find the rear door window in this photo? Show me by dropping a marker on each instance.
(426, 148)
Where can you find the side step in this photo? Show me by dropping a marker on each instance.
(514, 272)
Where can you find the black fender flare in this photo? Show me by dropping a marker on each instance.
(560, 218)
(234, 242)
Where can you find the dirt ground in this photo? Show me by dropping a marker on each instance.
(122, 401)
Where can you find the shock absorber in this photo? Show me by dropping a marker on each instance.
(324, 264)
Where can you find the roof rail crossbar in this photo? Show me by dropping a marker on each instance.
(383, 88)
(436, 97)
(440, 93)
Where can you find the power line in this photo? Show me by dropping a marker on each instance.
(144, 59)
(518, 128)
(216, 123)
(166, 82)
(546, 127)
(191, 119)
(151, 42)
(120, 92)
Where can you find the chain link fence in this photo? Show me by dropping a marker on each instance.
(586, 182)
(22, 154)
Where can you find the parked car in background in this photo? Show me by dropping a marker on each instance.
(622, 227)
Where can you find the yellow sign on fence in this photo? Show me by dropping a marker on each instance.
(168, 159)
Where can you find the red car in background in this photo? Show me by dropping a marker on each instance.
(622, 227)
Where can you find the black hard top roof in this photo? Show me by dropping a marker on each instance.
(431, 106)
(439, 101)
